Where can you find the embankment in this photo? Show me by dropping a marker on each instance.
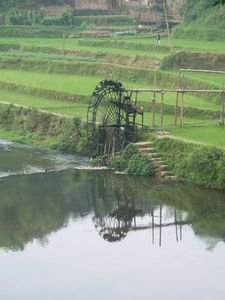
(42, 128)
(199, 164)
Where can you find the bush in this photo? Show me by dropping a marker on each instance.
(118, 163)
(139, 165)
(65, 132)
(132, 162)
(201, 165)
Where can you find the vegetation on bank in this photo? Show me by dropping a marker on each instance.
(199, 164)
(129, 161)
(42, 128)
(60, 75)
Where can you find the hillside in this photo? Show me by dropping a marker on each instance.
(202, 20)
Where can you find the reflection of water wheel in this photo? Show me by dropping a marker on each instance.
(114, 226)
(110, 118)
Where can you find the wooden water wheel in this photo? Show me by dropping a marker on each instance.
(110, 118)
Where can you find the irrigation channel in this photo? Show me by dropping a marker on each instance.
(81, 234)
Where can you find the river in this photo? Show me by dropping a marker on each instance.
(77, 234)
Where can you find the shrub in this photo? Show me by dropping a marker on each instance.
(132, 162)
(201, 165)
(118, 163)
(139, 165)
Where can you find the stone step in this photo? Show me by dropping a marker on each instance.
(162, 167)
(144, 143)
(162, 133)
(152, 155)
(159, 160)
(146, 150)
(171, 177)
(165, 173)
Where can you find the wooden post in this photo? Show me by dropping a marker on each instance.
(175, 222)
(161, 109)
(222, 109)
(153, 110)
(180, 226)
(182, 110)
(113, 147)
(153, 227)
(136, 96)
(160, 225)
(175, 110)
(167, 24)
(155, 79)
(64, 36)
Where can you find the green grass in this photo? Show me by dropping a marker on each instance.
(168, 121)
(194, 129)
(71, 43)
(170, 99)
(210, 134)
(212, 78)
(84, 85)
(39, 55)
(74, 45)
(50, 105)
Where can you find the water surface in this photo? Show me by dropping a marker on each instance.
(71, 234)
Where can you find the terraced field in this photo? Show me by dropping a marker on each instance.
(59, 76)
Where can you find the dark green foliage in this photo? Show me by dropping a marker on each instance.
(123, 45)
(139, 165)
(202, 20)
(193, 60)
(129, 151)
(118, 163)
(36, 31)
(17, 4)
(219, 2)
(59, 132)
(198, 164)
(132, 162)
(192, 9)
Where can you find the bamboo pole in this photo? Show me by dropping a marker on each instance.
(167, 24)
(203, 71)
(182, 110)
(161, 110)
(153, 227)
(180, 90)
(155, 79)
(64, 38)
(175, 110)
(222, 109)
(175, 222)
(153, 110)
(160, 225)
(180, 226)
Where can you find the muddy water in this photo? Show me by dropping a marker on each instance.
(71, 234)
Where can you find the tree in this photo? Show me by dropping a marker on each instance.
(219, 2)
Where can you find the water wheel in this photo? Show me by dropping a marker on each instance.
(110, 118)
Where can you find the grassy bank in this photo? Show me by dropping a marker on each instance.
(199, 164)
(42, 128)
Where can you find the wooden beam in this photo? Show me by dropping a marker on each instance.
(202, 71)
(222, 109)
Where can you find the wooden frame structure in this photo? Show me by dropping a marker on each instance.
(178, 113)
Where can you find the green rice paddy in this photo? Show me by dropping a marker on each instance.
(194, 129)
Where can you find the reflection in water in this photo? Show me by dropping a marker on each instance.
(34, 206)
(83, 235)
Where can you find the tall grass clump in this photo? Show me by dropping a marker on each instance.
(199, 164)
(132, 162)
